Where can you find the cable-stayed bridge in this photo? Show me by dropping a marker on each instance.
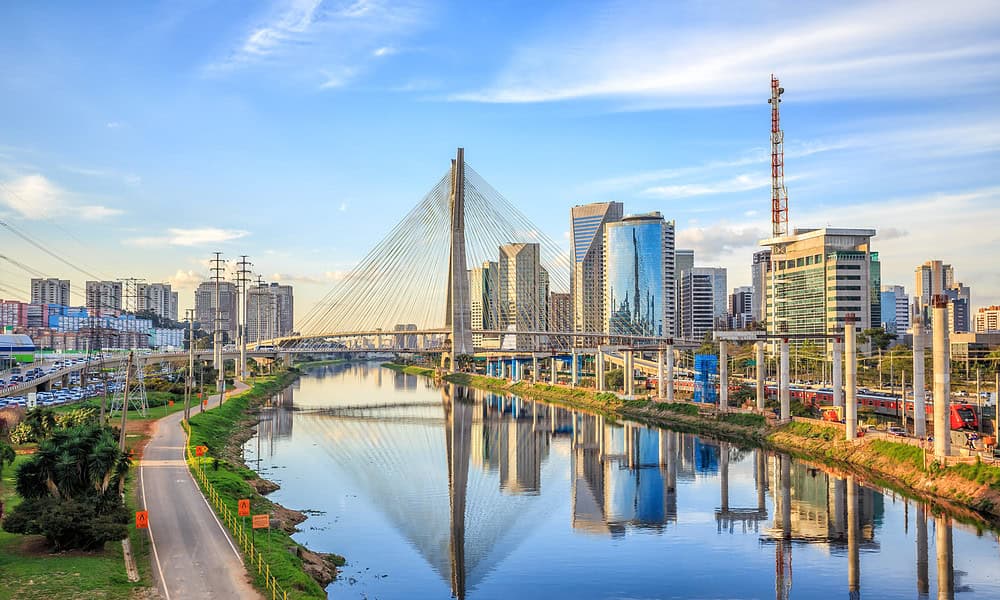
(415, 282)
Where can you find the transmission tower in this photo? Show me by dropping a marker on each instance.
(242, 278)
(130, 293)
(218, 268)
(136, 388)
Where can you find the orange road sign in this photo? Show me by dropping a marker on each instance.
(261, 521)
(170, 403)
(243, 508)
(141, 519)
(204, 402)
(200, 450)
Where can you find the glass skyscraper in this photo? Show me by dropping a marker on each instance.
(587, 224)
(639, 276)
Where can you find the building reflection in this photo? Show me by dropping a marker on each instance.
(274, 422)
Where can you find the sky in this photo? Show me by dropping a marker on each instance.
(137, 138)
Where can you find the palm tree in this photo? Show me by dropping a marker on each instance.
(41, 421)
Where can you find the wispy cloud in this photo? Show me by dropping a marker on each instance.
(36, 197)
(653, 55)
(189, 237)
(740, 183)
(715, 241)
(326, 43)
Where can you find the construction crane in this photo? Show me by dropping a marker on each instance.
(779, 195)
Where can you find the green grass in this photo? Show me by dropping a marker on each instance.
(978, 472)
(808, 430)
(29, 571)
(744, 419)
(213, 428)
(900, 453)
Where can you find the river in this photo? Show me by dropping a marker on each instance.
(438, 492)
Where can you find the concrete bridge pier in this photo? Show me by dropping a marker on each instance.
(784, 393)
(919, 380)
(660, 379)
(851, 366)
(759, 359)
(554, 376)
(629, 380)
(853, 538)
(670, 373)
(574, 369)
(599, 369)
(534, 367)
(838, 372)
(942, 380)
(723, 376)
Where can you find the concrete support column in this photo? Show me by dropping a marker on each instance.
(786, 495)
(724, 476)
(759, 347)
(942, 378)
(670, 373)
(945, 553)
(629, 375)
(574, 369)
(838, 372)
(554, 376)
(919, 380)
(851, 368)
(853, 539)
(534, 367)
(723, 376)
(923, 580)
(599, 369)
(784, 392)
(659, 374)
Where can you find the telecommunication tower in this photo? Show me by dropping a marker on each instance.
(779, 194)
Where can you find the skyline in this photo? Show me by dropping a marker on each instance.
(152, 127)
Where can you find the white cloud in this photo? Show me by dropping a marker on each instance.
(740, 183)
(114, 124)
(715, 241)
(189, 237)
(384, 51)
(36, 197)
(679, 54)
(186, 279)
(342, 207)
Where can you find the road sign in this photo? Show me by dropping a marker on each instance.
(261, 521)
(141, 519)
(170, 403)
(32, 400)
(200, 450)
(204, 402)
(243, 508)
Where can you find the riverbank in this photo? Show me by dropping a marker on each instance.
(224, 430)
(319, 363)
(971, 490)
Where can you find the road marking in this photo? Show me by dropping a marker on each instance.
(152, 541)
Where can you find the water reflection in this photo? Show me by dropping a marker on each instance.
(461, 475)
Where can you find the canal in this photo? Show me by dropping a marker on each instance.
(438, 492)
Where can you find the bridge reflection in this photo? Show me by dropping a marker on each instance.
(623, 477)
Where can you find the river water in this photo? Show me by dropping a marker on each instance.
(437, 492)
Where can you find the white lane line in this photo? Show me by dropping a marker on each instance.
(152, 541)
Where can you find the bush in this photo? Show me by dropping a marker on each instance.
(84, 524)
(21, 434)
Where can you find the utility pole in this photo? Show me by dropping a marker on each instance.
(189, 380)
(218, 267)
(128, 373)
(242, 275)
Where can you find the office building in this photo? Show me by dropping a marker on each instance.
(683, 262)
(50, 291)
(405, 341)
(760, 271)
(895, 309)
(103, 296)
(704, 302)
(874, 291)
(157, 298)
(560, 317)
(205, 305)
(587, 225)
(934, 277)
(741, 307)
(639, 276)
(484, 289)
(987, 319)
(959, 308)
(523, 291)
(819, 276)
(270, 311)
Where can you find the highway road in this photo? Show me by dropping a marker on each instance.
(193, 554)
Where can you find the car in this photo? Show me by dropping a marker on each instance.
(897, 431)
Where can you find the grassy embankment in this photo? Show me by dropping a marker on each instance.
(319, 363)
(221, 429)
(30, 571)
(902, 467)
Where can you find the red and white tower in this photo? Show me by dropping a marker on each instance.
(779, 195)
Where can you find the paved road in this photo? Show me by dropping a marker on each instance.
(193, 555)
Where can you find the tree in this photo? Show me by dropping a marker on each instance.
(614, 379)
(7, 456)
(40, 421)
(879, 338)
(72, 490)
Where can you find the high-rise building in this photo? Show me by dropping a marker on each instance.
(405, 341)
(103, 297)
(158, 298)
(270, 311)
(988, 319)
(523, 293)
(697, 303)
(937, 278)
(50, 291)
(204, 308)
(639, 276)
(683, 262)
(741, 307)
(819, 277)
(587, 224)
(874, 291)
(484, 289)
(560, 317)
(895, 309)
(760, 271)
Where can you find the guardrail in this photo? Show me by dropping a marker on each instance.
(235, 525)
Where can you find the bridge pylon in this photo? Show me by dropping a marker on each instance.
(458, 315)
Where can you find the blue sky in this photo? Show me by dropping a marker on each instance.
(135, 138)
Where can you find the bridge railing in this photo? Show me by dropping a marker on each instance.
(237, 528)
